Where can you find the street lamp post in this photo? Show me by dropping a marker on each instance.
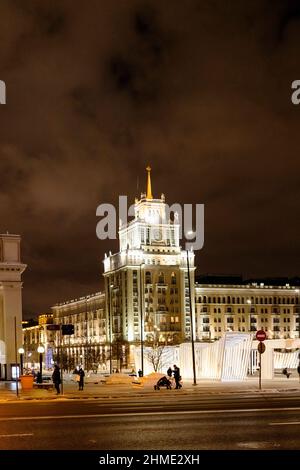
(191, 315)
(142, 323)
(21, 352)
(298, 307)
(250, 317)
(110, 327)
(41, 351)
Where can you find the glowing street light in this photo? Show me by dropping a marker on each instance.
(21, 352)
(41, 351)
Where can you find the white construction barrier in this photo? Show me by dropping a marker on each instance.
(226, 359)
(286, 359)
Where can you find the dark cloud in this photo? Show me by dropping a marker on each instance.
(290, 14)
(201, 90)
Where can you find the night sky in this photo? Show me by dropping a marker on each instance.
(199, 89)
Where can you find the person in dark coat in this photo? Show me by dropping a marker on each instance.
(169, 372)
(176, 373)
(56, 379)
(39, 378)
(81, 379)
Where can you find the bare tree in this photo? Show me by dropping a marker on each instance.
(157, 347)
(154, 355)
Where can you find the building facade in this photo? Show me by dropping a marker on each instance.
(37, 334)
(246, 308)
(147, 297)
(88, 345)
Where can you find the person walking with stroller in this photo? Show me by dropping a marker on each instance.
(56, 379)
(81, 379)
(286, 373)
(176, 373)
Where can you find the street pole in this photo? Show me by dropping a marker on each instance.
(41, 364)
(21, 363)
(259, 369)
(110, 328)
(192, 323)
(142, 325)
(16, 353)
(61, 362)
(21, 352)
(298, 307)
(249, 303)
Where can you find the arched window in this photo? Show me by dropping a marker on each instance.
(228, 299)
(161, 278)
(173, 278)
(219, 300)
(204, 299)
(148, 277)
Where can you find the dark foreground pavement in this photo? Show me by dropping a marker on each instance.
(159, 422)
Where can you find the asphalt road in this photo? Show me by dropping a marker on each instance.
(162, 421)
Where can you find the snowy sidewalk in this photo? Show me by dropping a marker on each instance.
(103, 391)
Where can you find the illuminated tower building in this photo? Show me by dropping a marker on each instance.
(146, 282)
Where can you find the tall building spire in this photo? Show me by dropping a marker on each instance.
(149, 190)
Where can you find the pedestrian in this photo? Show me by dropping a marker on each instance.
(286, 373)
(39, 378)
(81, 379)
(140, 373)
(169, 372)
(176, 373)
(56, 379)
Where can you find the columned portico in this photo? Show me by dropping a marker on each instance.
(11, 270)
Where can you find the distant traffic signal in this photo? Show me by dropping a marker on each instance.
(67, 329)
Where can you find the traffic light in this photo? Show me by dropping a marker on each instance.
(67, 329)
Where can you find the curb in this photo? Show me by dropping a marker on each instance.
(150, 394)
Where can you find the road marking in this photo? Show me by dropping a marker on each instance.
(143, 413)
(16, 435)
(284, 424)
